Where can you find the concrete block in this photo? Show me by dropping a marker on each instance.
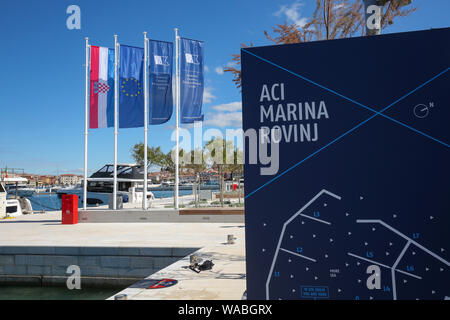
(115, 262)
(20, 280)
(88, 261)
(99, 251)
(39, 270)
(137, 272)
(67, 251)
(93, 282)
(59, 271)
(183, 252)
(13, 250)
(100, 272)
(20, 260)
(6, 259)
(61, 260)
(35, 260)
(156, 252)
(39, 250)
(15, 270)
(129, 251)
(142, 262)
(163, 262)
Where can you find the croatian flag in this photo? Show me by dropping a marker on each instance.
(101, 111)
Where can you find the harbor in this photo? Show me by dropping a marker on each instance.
(122, 254)
(118, 249)
(222, 158)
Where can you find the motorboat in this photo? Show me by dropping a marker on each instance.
(170, 186)
(100, 185)
(26, 192)
(13, 207)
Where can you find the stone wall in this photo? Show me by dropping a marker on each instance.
(99, 266)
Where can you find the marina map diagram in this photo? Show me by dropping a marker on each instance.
(361, 212)
(309, 255)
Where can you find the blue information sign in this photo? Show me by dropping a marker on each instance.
(350, 195)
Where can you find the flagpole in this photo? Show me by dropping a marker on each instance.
(115, 123)
(144, 203)
(177, 107)
(86, 98)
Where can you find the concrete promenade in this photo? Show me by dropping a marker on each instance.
(39, 246)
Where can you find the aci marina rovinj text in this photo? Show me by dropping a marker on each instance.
(302, 117)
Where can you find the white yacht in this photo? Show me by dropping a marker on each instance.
(13, 207)
(17, 186)
(100, 185)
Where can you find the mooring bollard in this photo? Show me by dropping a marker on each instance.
(193, 259)
(121, 297)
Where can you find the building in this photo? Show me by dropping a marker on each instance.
(69, 179)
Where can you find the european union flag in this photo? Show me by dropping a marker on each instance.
(131, 87)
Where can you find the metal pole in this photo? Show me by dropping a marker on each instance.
(116, 105)
(144, 205)
(86, 98)
(177, 73)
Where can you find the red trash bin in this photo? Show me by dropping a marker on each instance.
(69, 203)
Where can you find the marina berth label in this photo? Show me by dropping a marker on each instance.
(358, 206)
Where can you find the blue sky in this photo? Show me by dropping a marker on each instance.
(42, 77)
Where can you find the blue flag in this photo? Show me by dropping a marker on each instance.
(160, 85)
(131, 87)
(191, 80)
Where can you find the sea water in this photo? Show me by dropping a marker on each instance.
(55, 293)
(51, 202)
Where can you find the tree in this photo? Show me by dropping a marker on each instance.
(223, 156)
(168, 163)
(155, 157)
(192, 156)
(332, 19)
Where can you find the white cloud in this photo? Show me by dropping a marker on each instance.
(224, 119)
(219, 70)
(292, 13)
(206, 69)
(225, 115)
(208, 97)
(231, 64)
(230, 107)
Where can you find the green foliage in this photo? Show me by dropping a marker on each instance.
(155, 157)
(168, 163)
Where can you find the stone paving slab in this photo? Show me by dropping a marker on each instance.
(226, 280)
(47, 232)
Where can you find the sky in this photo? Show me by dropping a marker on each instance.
(42, 78)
